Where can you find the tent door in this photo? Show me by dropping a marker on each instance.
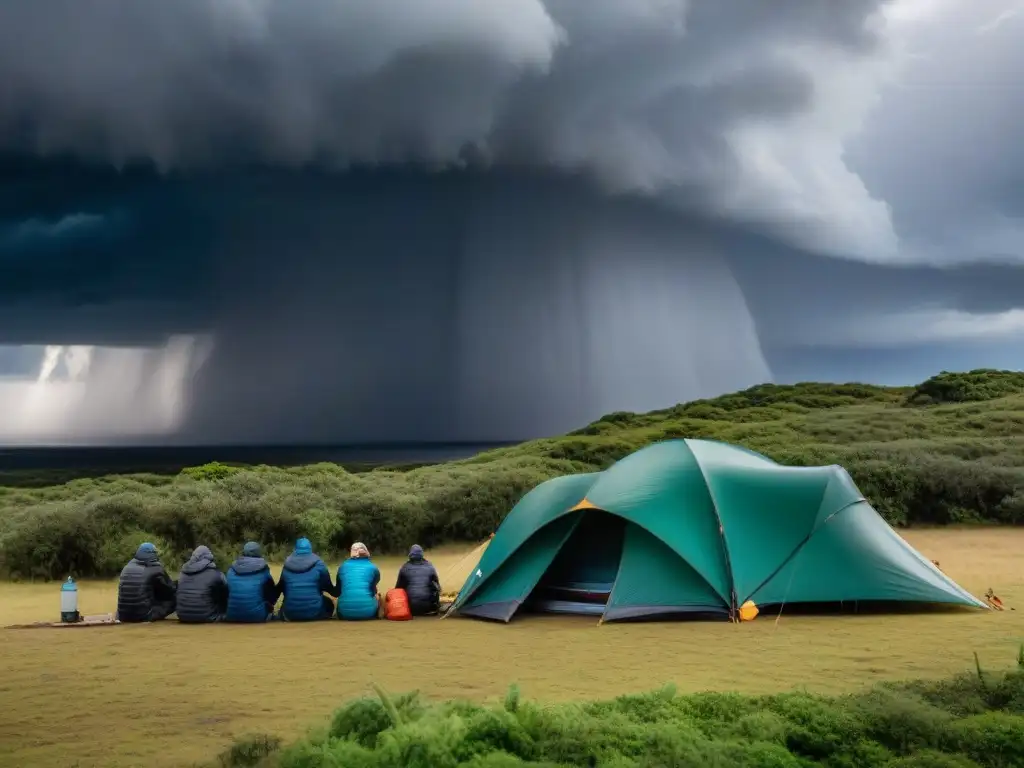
(580, 578)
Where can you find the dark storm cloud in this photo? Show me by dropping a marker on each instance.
(651, 96)
(641, 203)
(801, 299)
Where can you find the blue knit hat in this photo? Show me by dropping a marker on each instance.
(251, 549)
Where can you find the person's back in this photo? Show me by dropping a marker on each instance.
(144, 591)
(251, 588)
(357, 585)
(305, 583)
(419, 579)
(202, 589)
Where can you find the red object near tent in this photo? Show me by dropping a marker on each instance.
(396, 605)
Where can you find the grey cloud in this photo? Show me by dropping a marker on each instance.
(645, 95)
(789, 290)
(33, 231)
(462, 220)
(943, 144)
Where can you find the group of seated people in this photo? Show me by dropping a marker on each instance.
(248, 593)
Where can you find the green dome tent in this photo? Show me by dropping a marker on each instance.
(696, 527)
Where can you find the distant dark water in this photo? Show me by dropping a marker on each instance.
(92, 461)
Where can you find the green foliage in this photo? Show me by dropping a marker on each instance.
(914, 725)
(212, 471)
(250, 751)
(512, 698)
(978, 385)
(953, 462)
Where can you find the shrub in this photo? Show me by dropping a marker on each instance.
(250, 751)
(959, 462)
(977, 385)
(212, 471)
(894, 726)
(117, 550)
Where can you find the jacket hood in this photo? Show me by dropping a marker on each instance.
(146, 554)
(251, 560)
(303, 558)
(202, 558)
(300, 562)
(416, 552)
(245, 565)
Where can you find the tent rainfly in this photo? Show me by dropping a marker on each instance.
(697, 527)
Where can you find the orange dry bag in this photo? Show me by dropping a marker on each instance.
(396, 605)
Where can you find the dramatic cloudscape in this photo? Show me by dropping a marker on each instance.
(259, 220)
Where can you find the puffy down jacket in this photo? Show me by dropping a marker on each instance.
(144, 592)
(305, 582)
(252, 592)
(357, 587)
(418, 578)
(202, 589)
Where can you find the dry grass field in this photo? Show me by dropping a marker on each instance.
(171, 695)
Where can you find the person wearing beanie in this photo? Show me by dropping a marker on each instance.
(306, 585)
(252, 592)
(144, 591)
(358, 578)
(418, 578)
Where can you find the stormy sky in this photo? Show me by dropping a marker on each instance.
(259, 220)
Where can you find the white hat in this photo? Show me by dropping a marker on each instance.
(359, 550)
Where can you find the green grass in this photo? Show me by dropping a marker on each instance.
(969, 721)
(179, 694)
(948, 451)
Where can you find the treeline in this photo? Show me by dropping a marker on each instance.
(971, 721)
(959, 462)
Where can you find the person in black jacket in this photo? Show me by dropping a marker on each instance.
(202, 589)
(145, 592)
(418, 578)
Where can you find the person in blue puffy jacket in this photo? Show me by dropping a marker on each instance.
(252, 592)
(306, 583)
(357, 585)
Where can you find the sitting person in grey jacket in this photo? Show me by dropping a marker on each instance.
(202, 589)
(144, 592)
(418, 578)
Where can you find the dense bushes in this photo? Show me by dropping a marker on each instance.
(972, 721)
(982, 384)
(951, 463)
(86, 528)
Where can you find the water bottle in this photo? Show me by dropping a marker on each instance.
(69, 602)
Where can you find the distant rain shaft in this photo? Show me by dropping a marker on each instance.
(447, 307)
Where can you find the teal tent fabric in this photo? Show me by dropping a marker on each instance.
(698, 526)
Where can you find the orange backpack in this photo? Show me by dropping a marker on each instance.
(396, 605)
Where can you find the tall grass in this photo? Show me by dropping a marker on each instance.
(957, 459)
(970, 721)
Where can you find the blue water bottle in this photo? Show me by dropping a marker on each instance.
(69, 602)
